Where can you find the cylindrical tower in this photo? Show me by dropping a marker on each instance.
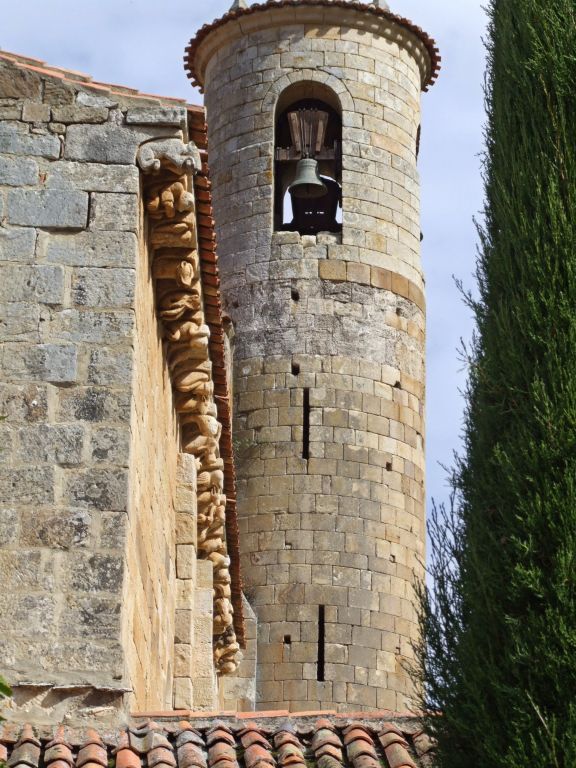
(323, 284)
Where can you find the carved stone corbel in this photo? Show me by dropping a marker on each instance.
(167, 165)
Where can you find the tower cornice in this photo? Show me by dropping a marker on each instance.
(367, 17)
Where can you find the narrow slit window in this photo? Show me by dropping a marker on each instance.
(306, 426)
(321, 676)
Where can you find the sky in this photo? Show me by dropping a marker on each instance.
(140, 44)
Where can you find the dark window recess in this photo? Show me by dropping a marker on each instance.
(321, 674)
(295, 369)
(306, 426)
(287, 640)
(295, 293)
(308, 168)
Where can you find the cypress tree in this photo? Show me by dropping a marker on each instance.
(499, 625)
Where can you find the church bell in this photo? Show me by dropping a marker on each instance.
(307, 184)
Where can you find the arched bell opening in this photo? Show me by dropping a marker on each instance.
(308, 161)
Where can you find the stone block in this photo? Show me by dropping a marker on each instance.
(48, 208)
(91, 326)
(23, 571)
(109, 445)
(186, 528)
(110, 366)
(9, 526)
(90, 572)
(43, 284)
(101, 489)
(172, 116)
(93, 177)
(23, 403)
(20, 322)
(90, 249)
(114, 212)
(14, 141)
(18, 83)
(45, 443)
(34, 486)
(332, 270)
(70, 113)
(18, 172)
(93, 404)
(184, 626)
(182, 660)
(53, 363)
(104, 288)
(185, 561)
(35, 112)
(17, 244)
(109, 142)
(183, 697)
(55, 529)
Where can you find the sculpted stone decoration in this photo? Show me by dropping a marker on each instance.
(169, 199)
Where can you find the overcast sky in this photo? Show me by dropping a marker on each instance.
(140, 43)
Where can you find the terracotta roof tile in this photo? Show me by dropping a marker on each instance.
(265, 739)
(375, 10)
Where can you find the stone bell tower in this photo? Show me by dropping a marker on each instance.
(322, 281)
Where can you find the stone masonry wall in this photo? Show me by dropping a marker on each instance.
(329, 330)
(89, 440)
(150, 581)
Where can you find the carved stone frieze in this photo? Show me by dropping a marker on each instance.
(170, 205)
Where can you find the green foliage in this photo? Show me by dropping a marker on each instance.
(499, 655)
(5, 693)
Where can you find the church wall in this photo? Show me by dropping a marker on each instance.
(149, 600)
(102, 609)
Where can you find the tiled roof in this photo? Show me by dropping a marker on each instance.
(213, 310)
(256, 740)
(235, 13)
(82, 80)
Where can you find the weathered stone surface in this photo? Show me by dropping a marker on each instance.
(108, 143)
(57, 529)
(9, 526)
(19, 172)
(93, 405)
(54, 363)
(95, 100)
(102, 489)
(173, 116)
(99, 287)
(17, 244)
(110, 366)
(114, 212)
(17, 83)
(39, 283)
(92, 177)
(34, 112)
(46, 443)
(110, 445)
(79, 114)
(23, 403)
(92, 617)
(90, 249)
(14, 141)
(95, 327)
(96, 573)
(34, 485)
(53, 209)
(20, 322)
